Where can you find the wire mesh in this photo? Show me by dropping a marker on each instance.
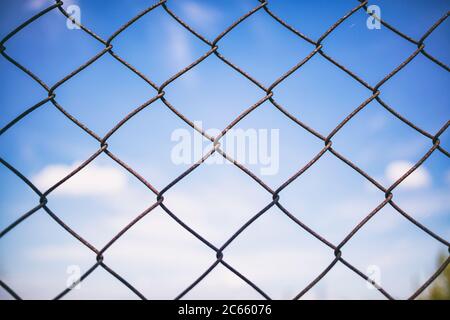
(260, 5)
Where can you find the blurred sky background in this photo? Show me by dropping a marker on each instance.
(159, 257)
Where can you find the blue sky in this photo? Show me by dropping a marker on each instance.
(158, 256)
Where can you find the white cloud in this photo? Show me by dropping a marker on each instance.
(158, 246)
(418, 179)
(202, 15)
(92, 180)
(179, 47)
(38, 4)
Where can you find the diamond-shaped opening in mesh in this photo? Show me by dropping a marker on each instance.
(424, 15)
(99, 193)
(15, 83)
(117, 91)
(267, 44)
(158, 46)
(330, 197)
(369, 53)
(210, 18)
(18, 197)
(341, 283)
(157, 133)
(395, 250)
(419, 93)
(216, 199)
(278, 255)
(51, 50)
(213, 93)
(270, 145)
(375, 139)
(311, 94)
(42, 138)
(309, 17)
(158, 245)
(38, 255)
(221, 284)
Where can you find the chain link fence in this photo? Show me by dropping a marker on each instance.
(375, 95)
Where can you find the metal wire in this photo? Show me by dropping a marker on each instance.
(375, 95)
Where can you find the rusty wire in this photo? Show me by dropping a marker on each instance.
(375, 95)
